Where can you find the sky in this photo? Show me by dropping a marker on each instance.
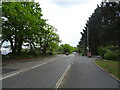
(68, 17)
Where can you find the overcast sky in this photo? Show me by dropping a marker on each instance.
(68, 16)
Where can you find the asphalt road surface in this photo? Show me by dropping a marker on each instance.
(44, 76)
(84, 74)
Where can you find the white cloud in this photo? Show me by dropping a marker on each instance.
(70, 20)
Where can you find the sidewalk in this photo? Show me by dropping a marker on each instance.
(85, 74)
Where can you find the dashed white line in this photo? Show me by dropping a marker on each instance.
(38, 65)
(53, 60)
(42, 64)
(1, 78)
(9, 76)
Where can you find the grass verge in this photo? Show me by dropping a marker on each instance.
(110, 66)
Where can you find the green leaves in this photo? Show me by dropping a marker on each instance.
(64, 48)
(23, 24)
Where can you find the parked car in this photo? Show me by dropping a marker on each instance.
(67, 53)
(99, 58)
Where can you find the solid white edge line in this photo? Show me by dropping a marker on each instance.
(62, 77)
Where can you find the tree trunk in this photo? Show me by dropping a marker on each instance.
(11, 44)
(19, 48)
(14, 46)
(44, 50)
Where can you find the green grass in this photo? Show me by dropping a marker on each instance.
(109, 66)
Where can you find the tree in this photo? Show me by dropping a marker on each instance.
(47, 37)
(64, 48)
(23, 25)
(102, 27)
(19, 23)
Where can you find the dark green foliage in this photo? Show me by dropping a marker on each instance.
(108, 52)
(110, 55)
(102, 51)
(103, 29)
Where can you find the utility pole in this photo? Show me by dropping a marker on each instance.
(88, 47)
(87, 39)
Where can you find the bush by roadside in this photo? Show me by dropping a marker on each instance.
(110, 55)
(108, 52)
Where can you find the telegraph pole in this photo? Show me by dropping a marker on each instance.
(88, 47)
(88, 39)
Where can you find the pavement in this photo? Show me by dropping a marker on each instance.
(46, 73)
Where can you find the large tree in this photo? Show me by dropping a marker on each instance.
(23, 25)
(102, 28)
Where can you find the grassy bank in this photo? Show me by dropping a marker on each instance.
(109, 66)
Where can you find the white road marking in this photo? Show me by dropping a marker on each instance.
(9, 76)
(38, 65)
(1, 78)
(43, 64)
(62, 77)
(51, 61)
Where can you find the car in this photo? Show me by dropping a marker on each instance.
(99, 58)
(67, 53)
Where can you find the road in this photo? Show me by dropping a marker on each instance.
(85, 74)
(46, 74)
(43, 76)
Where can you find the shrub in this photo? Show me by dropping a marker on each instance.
(102, 51)
(110, 55)
(108, 52)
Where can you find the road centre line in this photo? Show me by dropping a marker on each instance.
(1, 78)
(62, 77)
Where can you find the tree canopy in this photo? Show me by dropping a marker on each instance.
(102, 28)
(64, 48)
(23, 25)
